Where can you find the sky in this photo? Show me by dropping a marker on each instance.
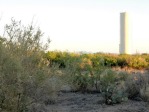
(82, 25)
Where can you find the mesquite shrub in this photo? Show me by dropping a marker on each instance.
(24, 73)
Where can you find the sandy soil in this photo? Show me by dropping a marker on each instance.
(93, 102)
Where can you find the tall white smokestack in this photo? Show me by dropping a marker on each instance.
(124, 34)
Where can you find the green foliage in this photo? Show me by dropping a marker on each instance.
(86, 71)
(23, 72)
(83, 81)
(112, 88)
(99, 60)
(110, 60)
(137, 62)
(121, 61)
(114, 95)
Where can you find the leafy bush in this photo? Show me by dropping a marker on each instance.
(121, 61)
(99, 59)
(83, 81)
(57, 57)
(137, 86)
(110, 61)
(113, 94)
(137, 62)
(23, 72)
(112, 88)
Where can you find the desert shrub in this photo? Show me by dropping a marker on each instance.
(144, 93)
(112, 88)
(123, 76)
(108, 77)
(82, 81)
(85, 64)
(146, 57)
(110, 60)
(97, 72)
(133, 86)
(114, 94)
(10, 84)
(121, 61)
(137, 86)
(144, 90)
(137, 62)
(23, 72)
(56, 57)
(98, 61)
(84, 75)
(81, 75)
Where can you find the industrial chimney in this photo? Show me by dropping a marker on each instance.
(124, 34)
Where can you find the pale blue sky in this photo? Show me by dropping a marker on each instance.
(83, 25)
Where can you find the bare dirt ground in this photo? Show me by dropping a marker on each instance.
(93, 102)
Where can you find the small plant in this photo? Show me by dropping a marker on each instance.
(123, 76)
(82, 81)
(114, 95)
(133, 85)
(121, 61)
(112, 88)
(137, 62)
(144, 93)
(137, 86)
